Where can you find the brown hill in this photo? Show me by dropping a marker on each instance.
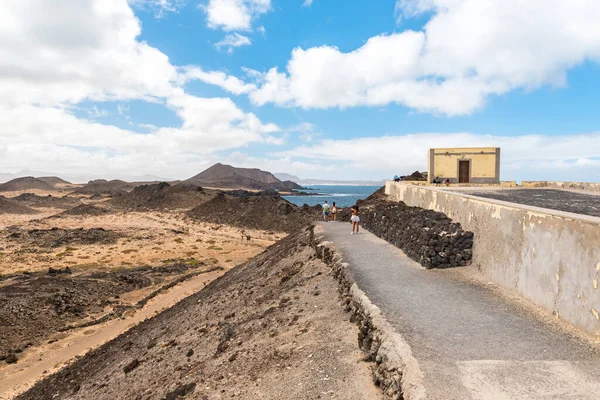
(102, 186)
(228, 177)
(162, 196)
(266, 212)
(11, 207)
(54, 180)
(25, 183)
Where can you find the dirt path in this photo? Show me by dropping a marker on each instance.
(47, 359)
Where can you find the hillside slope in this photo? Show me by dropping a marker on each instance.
(270, 213)
(271, 328)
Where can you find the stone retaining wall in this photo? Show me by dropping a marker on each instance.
(395, 369)
(551, 258)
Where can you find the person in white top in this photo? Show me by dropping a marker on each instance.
(326, 212)
(355, 219)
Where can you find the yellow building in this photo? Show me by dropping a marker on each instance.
(465, 165)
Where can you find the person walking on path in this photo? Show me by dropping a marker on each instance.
(355, 219)
(326, 212)
(334, 212)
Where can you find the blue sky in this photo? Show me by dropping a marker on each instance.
(347, 89)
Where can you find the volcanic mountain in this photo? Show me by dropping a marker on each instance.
(228, 177)
(25, 183)
(54, 180)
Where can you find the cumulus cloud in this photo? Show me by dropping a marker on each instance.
(570, 157)
(234, 15)
(307, 3)
(467, 51)
(232, 41)
(55, 56)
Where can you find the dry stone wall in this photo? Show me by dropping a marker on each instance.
(428, 237)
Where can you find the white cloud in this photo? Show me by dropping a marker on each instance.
(307, 3)
(233, 40)
(567, 157)
(305, 130)
(56, 55)
(234, 15)
(469, 50)
(228, 83)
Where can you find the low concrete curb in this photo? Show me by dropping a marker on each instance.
(395, 370)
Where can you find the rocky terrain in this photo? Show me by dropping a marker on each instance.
(268, 212)
(26, 183)
(35, 307)
(270, 328)
(40, 239)
(162, 196)
(415, 176)
(49, 201)
(86, 261)
(104, 187)
(11, 207)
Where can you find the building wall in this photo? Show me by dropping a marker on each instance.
(551, 258)
(485, 163)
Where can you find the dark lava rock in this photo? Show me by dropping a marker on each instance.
(53, 271)
(131, 366)
(11, 358)
(426, 236)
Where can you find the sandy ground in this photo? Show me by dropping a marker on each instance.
(149, 238)
(36, 363)
(59, 192)
(143, 239)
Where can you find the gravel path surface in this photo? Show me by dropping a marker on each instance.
(471, 342)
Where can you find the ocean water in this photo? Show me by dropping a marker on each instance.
(344, 196)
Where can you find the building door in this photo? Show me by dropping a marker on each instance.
(463, 171)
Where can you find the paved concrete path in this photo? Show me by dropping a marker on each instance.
(470, 342)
